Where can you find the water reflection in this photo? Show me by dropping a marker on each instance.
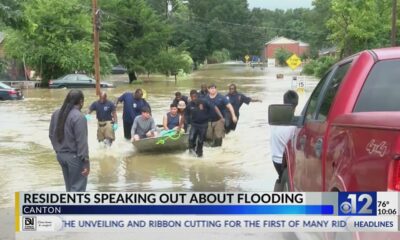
(206, 178)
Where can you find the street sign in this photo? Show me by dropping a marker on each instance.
(301, 84)
(293, 62)
(271, 62)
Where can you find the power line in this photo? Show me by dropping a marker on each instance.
(197, 21)
(207, 22)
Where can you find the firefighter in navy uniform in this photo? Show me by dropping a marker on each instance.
(199, 111)
(236, 99)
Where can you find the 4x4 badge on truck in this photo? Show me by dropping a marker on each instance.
(377, 148)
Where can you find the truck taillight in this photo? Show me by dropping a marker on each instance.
(394, 174)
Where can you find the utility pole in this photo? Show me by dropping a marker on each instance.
(96, 28)
(394, 19)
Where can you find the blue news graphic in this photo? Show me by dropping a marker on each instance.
(357, 204)
(180, 209)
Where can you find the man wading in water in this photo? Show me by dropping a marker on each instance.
(199, 112)
(236, 99)
(133, 104)
(107, 119)
(69, 136)
(216, 126)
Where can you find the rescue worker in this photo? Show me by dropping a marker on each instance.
(133, 104)
(68, 134)
(106, 115)
(180, 97)
(143, 126)
(236, 99)
(216, 126)
(199, 112)
(203, 91)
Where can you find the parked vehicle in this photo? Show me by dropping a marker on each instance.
(119, 69)
(348, 135)
(77, 81)
(10, 93)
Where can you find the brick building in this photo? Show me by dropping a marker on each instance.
(297, 47)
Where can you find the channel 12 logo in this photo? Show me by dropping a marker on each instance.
(357, 204)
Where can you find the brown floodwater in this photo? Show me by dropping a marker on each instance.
(243, 163)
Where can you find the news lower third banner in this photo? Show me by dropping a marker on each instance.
(236, 211)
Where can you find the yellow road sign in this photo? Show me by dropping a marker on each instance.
(293, 62)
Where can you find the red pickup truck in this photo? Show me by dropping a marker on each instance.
(348, 135)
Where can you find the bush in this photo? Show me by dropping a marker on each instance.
(281, 55)
(319, 66)
(219, 56)
(187, 62)
(323, 66)
(309, 68)
(171, 61)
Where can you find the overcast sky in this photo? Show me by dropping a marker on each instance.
(282, 4)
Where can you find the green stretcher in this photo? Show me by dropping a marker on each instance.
(167, 141)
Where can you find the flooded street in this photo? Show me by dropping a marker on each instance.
(242, 164)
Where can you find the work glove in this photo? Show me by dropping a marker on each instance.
(88, 117)
(115, 126)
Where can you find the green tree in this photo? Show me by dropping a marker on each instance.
(193, 37)
(358, 25)
(160, 6)
(282, 55)
(316, 22)
(11, 13)
(171, 61)
(56, 38)
(137, 35)
(213, 25)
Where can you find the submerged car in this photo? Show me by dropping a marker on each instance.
(119, 69)
(10, 93)
(77, 81)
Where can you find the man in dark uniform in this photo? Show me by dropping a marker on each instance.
(180, 97)
(69, 136)
(216, 127)
(107, 119)
(199, 111)
(203, 91)
(133, 104)
(236, 99)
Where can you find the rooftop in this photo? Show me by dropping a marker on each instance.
(281, 40)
